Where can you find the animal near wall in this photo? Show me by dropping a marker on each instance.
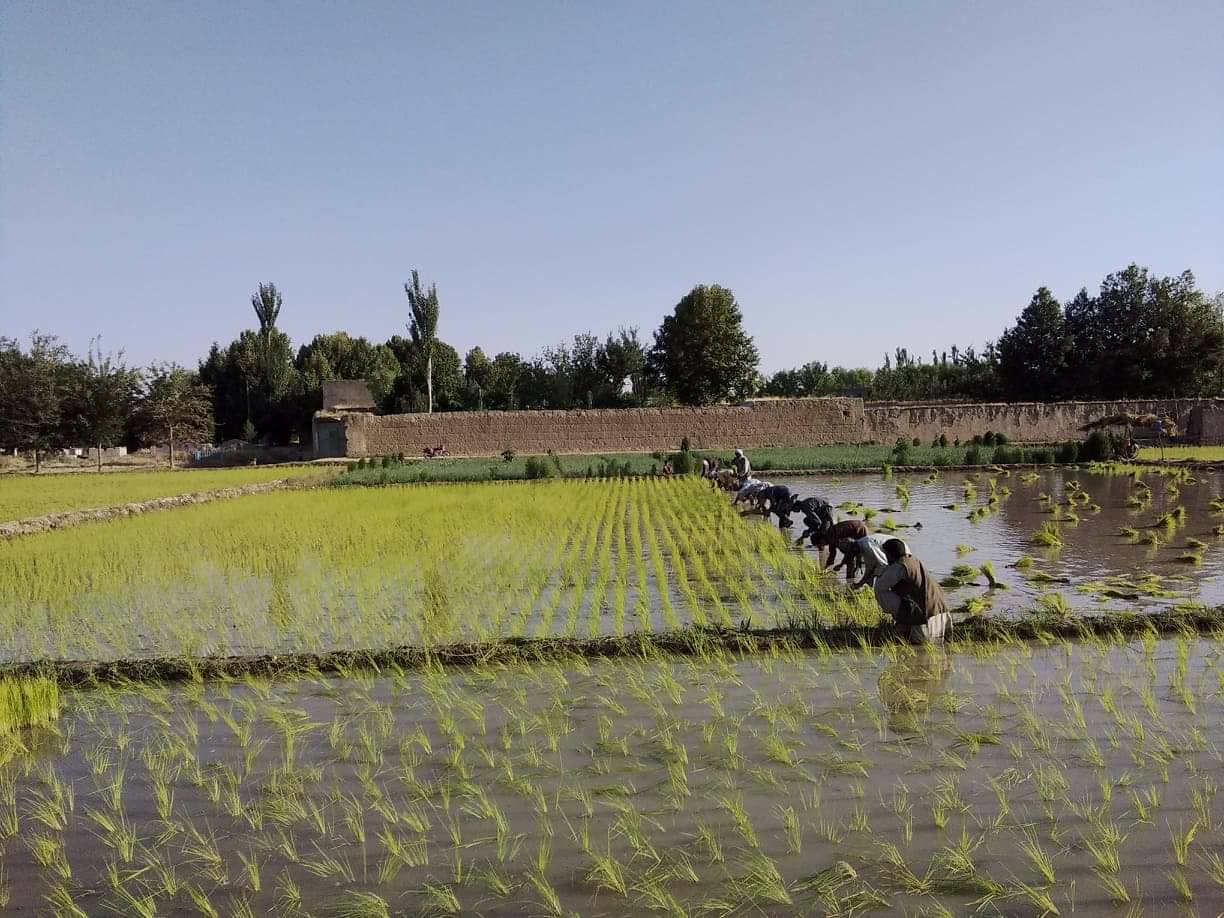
(780, 422)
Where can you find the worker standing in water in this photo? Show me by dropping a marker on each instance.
(743, 468)
(907, 592)
(842, 533)
(866, 555)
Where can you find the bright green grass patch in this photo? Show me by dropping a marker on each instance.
(423, 566)
(1189, 453)
(764, 461)
(35, 495)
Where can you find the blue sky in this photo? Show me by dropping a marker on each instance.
(862, 175)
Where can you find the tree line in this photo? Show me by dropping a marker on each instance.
(1139, 336)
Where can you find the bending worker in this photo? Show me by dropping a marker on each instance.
(778, 501)
(867, 555)
(912, 596)
(817, 517)
(839, 535)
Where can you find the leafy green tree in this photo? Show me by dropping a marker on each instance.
(1034, 353)
(477, 368)
(100, 398)
(623, 357)
(505, 376)
(701, 353)
(341, 356)
(411, 390)
(32, 393)
(423, 328)
(176, 407)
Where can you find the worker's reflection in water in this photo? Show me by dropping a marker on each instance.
(910, 687)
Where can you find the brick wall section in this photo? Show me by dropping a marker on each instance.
(782, 422)
(1023, 422)
(789, 422)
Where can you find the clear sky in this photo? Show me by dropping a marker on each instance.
(862, 175)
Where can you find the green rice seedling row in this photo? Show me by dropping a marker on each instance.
(995, 778)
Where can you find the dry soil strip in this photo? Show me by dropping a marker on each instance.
(34, 524)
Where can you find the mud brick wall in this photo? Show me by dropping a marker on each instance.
(1022, 422)
(788, 422)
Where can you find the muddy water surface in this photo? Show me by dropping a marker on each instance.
(1003, 781)
(1093, 550)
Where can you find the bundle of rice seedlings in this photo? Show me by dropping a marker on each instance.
(28, 702)
(1048, 536)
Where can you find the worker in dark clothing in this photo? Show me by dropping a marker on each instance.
(907, 592)
(845, 531)
(817, 517)
(777, 500)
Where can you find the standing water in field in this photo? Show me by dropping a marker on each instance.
(998, 781)
(970, 518)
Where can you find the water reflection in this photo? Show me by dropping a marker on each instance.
(1093, 548)
(909, 687)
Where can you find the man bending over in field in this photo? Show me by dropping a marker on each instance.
(842, 533)
(912, 596)
(777, 500)
(749, 491)
(817, 516)
(864, 554)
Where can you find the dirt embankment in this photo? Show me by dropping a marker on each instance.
(33, 524)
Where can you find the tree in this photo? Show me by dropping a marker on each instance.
(341, 356)
(100, 399)
(624, 358)
(411, 390)
(477, 368)
(32, 387)
(176, 405)
(1034, 353)
(424, 327)
(267, 305)
(702, 354)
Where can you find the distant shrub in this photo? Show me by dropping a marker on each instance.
(1005, 456)
(943, 441)
(901, 452)
(974, 455)
(657, 455)
(386, 462)
(682, 462)
(1000, 439)
(684, 444)
(537, 468)
(1098, 447)
(1067, 452)
(507, 455)
(956, 442)
(1041, 456)
(353, 466)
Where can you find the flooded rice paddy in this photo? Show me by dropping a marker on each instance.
(1097, 567)
(427, 565)
(996, 780)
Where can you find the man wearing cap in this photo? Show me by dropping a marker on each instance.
(912, 596)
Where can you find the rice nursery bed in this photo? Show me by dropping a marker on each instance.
(312, 571)
(24, 496)
(998, 779)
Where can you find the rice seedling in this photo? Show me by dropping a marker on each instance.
(1048, 536)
